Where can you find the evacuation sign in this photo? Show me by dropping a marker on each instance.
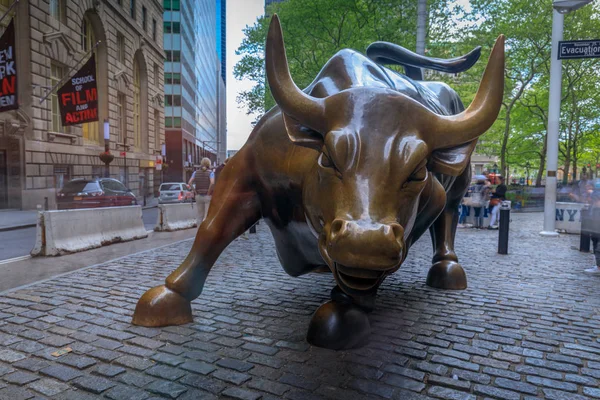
(78, 97)
(579, 49)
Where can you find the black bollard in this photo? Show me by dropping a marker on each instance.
(503, 229)
(253, 229)
(584, 236)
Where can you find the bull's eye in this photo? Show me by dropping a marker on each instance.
(325, 161)
(416, 177)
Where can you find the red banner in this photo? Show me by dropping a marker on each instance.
(78, 97)
(8, 70)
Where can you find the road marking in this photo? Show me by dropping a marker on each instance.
(11, 260)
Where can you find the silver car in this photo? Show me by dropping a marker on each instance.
(175, 192)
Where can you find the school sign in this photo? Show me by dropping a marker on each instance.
(572, 49)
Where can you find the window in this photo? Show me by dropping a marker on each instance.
(172, 27)
(132, 9)
(173, 100)
(137, 128)
(62, 175)
(58, 11)
(156, 129)
(172, 78)
(156, 74)
(172, 5)
(90, 129)
(173, 55)
(144, 18)
(120, 48)
(153, 29)
(173, 122)
(56, 74)
(121, 118)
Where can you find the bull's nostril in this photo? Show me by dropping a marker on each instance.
(337, 228)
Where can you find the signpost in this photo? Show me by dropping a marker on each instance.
(572, 49)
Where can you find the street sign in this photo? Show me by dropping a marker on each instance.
(573, 49)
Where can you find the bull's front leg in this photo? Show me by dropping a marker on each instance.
(233, 209)
(446, 272)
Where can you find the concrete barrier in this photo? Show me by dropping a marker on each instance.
(568, 217)
(173, 217)
(69, 231)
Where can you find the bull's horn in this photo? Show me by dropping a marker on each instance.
(451, 131)
(308, 110)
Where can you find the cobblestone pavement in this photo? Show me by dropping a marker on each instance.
(526, 327)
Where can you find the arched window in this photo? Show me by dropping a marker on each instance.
(90, 129)
(137, 126)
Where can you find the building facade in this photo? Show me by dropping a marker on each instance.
(53, 39)
(192, 86)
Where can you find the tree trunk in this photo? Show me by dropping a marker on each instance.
(421, 25)
(542, 167)
(505, 142)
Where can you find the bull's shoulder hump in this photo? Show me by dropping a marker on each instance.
(348, 69)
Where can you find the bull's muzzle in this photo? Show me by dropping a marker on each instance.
(360, 245)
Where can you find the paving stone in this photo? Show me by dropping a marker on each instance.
(48, 387)
(61, 372)
(105, 355)
(135, 379)
(496, 392)
(502, 373)
(165, 388)
(230, 376)
(449, 382)
(553, 384)
(168, 359)
(516, 385)
(93, 384)
(558, 366)
(433, 368)
(472, 376)
(165, 372)
(197, 367)
(109, 371)
(552, 394)
(403, 382)
(593, 392)
(411, 373)
(242, 394)
(134, 362)
(10, 356)
(449, 394)
(453, 362)
(371, 387)
(121, 392)
(15, 393)
(208, 384)
(20, 378)
(79, 362)
(259, 348)
(268, 386)
(237, 365)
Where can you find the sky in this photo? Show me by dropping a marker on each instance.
(239, 14)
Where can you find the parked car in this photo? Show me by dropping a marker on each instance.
(175, 192)
(92, 193)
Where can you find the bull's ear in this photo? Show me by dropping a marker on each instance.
(302, 135)
(452, 161)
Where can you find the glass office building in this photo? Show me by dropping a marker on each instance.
(192, 95)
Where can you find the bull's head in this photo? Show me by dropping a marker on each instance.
(378, 149)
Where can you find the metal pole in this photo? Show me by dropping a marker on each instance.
(68, 74)
(421, 25)
(9, 10)
(503, 229)
(553, 127)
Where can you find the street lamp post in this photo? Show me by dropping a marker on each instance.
(106, 157)
(560, 7)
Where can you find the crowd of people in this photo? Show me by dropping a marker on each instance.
(484, 200)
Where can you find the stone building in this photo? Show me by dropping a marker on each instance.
(37, 154)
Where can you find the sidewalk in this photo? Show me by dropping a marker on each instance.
(527, 327)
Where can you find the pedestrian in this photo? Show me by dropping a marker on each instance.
(498, 196)
(593, 226)
(465, 208)
(478, 200)
(203, 180)
(218, 171)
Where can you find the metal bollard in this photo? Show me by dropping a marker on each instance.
(503, 229)
(253, 229)
(585, 237)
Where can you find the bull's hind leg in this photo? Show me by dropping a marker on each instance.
(233, 209)
(446, 272)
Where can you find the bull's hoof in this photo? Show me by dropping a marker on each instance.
(338, 326)
(160, 306)
(447, 274)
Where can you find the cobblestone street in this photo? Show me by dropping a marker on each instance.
(526, 327)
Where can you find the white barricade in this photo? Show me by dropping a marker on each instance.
(69, 231)
(173, 217)
(568, 217)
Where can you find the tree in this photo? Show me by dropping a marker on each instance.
(315, 30)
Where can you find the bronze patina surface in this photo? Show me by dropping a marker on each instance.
(348, 174)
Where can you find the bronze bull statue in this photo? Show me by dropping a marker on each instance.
(348, 174)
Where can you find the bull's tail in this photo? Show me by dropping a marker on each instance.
(389, 53)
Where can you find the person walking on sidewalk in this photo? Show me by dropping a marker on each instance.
(498, 196)
(203, 180)
(478, 198)
(593, 225)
